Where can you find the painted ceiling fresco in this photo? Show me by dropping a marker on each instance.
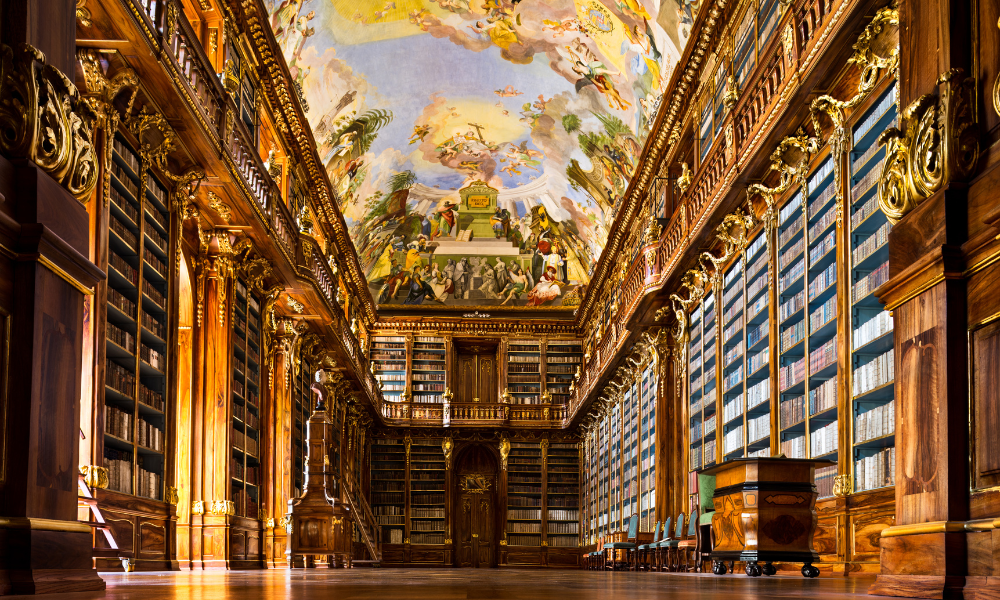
(480, 148)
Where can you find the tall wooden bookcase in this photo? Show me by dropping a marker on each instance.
(136, 319)
(812, 374)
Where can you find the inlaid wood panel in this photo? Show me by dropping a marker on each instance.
(866, 534)
(152, 539)
(986, 404)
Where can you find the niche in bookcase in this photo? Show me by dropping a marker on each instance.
(388, 357)
(702, 384)
(562, 360)
(872, 364)
(524, 377)
(757, 342)
(388, 488)
(562, 496)
(246, 438)
(734, 419)
(428, 369)
(427, 492)
(647, 448)
(136, 351)
(524, 495)
(301, 411)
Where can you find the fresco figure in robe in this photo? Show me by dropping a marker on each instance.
(447, 218)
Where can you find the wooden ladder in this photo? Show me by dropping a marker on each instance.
(87, 502)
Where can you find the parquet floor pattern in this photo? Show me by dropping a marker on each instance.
(462, 584)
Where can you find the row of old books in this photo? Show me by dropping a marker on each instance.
(875, 423)
(876, 373)
(877, 470)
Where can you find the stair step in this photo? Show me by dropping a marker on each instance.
(366, 563)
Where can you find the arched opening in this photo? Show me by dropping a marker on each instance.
(475, 515)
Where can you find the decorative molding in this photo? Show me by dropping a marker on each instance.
(197, 507)
(95, 477)
(222, 507)
(940, 145)
(171, 495)
(43, 119)
(216, 204)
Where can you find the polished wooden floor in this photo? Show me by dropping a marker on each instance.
(448, 584)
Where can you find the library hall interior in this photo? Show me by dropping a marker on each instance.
(500, 299)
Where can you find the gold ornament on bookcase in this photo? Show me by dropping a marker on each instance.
(940, 144)
(447, 445)
(996, 88)
(504, 452)
(95, 477)
(197, 507)
(447, 395)
(222, 508)
(45, 120)
(171, 495)
(269, 523)
(684, 179)
(842, 486)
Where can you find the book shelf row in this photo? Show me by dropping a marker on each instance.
(809, 325)
(136, 312)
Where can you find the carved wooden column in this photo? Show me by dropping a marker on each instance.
(922, 189)
(44, 242)
(278, 461)
(671, 416)
(211, 452)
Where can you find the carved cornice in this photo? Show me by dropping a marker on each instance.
(665, 133)
(289, 115)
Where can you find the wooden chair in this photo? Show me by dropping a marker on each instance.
(666, 548)
(642, 555)
(688, 546)
(611, 549)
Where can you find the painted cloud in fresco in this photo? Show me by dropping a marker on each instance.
(534, 111)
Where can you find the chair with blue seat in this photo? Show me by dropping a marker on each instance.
(642, 554)
(666, 548)
(611, 549)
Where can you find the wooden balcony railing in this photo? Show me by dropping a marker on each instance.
(475, 413)
(164, 21)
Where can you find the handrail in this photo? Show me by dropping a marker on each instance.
(363, 518)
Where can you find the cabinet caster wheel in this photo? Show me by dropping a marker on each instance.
(810, 571)
(718, 567)
(769, 569)
(753, 569)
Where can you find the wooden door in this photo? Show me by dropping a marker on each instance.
(476, 523)
(487, 388)
(467, 370)
(475, 494)
(477, 373)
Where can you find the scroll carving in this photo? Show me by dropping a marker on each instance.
(870, 54)
(940, 143)
(44, 120)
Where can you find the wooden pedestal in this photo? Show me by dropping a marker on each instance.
(765, 511)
